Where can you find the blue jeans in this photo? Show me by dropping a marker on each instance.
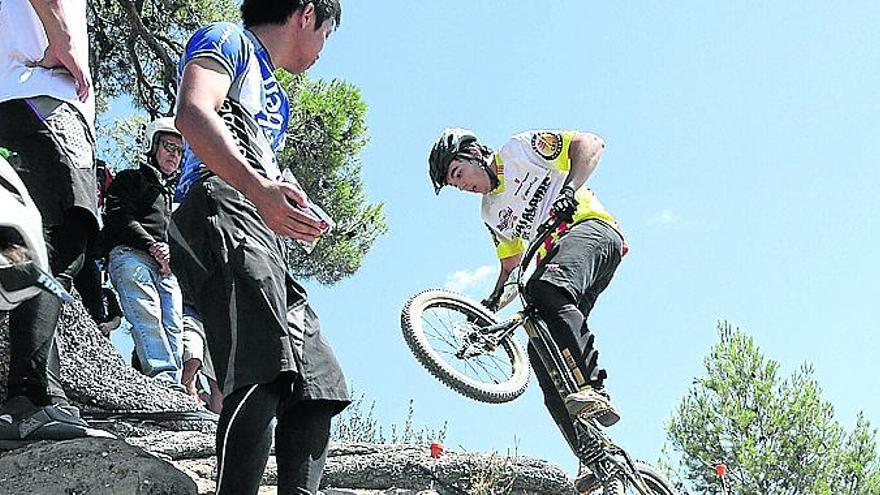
(153, 305)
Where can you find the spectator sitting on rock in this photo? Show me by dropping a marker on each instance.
(138, 211)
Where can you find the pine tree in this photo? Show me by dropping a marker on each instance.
(775, 434)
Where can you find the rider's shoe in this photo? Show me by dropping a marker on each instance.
(592, 403)
(22, 422)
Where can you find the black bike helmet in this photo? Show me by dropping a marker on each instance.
(451, 144)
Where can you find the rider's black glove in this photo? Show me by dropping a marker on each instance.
(565, 205)
(491, 302)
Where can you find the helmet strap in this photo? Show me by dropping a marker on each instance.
(493, 177)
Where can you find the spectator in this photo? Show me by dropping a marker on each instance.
(138, 204)
(89, 282)
(227, 239)
(47, 115)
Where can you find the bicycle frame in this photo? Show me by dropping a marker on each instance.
(594, 448)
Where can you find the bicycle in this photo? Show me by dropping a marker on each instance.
(462, 344)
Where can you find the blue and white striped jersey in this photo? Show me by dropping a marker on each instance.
(256, 109)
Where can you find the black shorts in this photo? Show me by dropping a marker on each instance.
(583, 262)
(57, 153)
(257, 319)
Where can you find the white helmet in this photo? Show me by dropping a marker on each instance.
(24, 265)
(151, 134)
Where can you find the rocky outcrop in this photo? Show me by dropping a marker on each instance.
(167, 446)
(90, 466)
(380, 468)
(183, 463)
(93, 373)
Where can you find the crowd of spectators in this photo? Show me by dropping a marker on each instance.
(280, 380)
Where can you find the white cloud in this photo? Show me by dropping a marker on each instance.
(463, 280)
(665, 218)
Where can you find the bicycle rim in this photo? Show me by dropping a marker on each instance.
(434, 323)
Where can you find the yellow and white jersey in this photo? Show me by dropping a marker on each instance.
(532, 167)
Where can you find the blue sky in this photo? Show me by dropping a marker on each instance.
(741, 161)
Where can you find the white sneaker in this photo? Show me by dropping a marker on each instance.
(593, 404)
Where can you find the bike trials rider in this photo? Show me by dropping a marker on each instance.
(537, 174)
(227, 245)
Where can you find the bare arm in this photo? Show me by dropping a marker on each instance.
(584, 154)
(507, 266)
(63, 50)
(202, 90)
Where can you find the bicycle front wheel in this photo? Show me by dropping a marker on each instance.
(436, 324)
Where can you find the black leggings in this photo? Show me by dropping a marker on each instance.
(34, 367)
(244, 437)
(88, 283)
(568, 327)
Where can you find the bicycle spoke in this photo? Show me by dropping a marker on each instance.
(498, 363)
(440, 322)
(443, 335)
(482, 364)
(443, 338)
(470, 365)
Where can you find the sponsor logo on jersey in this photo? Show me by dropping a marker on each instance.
(524, 226)
(529, 189)
(271, 117)
(506, 218)
(521, 182)
(547, 144)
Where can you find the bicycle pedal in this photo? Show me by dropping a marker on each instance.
(608, 418)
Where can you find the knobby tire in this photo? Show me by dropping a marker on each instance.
(418, 334)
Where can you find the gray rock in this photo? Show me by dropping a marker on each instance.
(95, 376)
(89, 466)
(382, 467)
(93, 373)
(402, 469)
(391, 491)
(177, 445)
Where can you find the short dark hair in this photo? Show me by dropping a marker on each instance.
(258, 12)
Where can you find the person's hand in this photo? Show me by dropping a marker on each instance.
(565, 204)
(491, 302)
(62, 52)
(284, 207)
(162, 254)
